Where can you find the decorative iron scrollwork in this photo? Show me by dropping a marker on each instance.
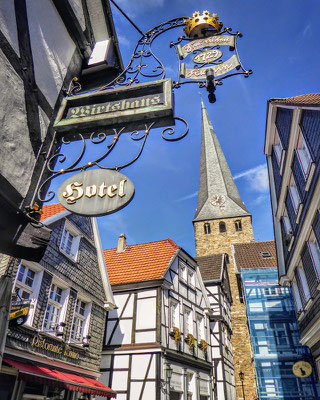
(97, 138)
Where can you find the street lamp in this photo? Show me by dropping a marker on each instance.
(241, 376)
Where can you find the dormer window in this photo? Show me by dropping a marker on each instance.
(265, 254)
(207, 228)
(222, 227)
(238, 225)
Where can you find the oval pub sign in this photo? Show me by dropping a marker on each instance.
(96, 192)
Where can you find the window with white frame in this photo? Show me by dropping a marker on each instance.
(304, 283)
(314, 253)
(303, 155)
(56, 308)
(191, 277)
(80, 324)
(70, 240)
(27, 286)
(296, 296)
(277, 146)
(174, 314)
(183, 271)
(286, 222)
(200, 327)
(294, 195)
(188, 322)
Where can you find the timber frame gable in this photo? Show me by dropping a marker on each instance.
(160, 324)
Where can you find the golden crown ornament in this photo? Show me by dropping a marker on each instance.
(204, 25)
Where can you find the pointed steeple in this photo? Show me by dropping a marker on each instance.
(218, 196)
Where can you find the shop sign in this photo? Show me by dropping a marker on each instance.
(219, 69)
(129, 107)
(207, 42)
(207, 56)
(96, 192)
(41, 343)
(302, 369)
(19, 313)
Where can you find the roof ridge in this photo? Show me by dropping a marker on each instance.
(152, 241)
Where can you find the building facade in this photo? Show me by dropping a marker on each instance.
(292, 148)
(160, 341)
(55, 335)
(41, 50)
(273, 326)
(221, 220)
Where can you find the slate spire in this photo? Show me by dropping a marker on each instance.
(218, 196)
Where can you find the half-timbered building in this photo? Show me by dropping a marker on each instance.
(157, 341)
(44, 46)
(57, 319)
(215, 278)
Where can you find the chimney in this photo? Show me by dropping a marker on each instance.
(122, 243)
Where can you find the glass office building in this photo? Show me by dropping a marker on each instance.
(275, 337)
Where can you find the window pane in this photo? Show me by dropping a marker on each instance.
(21, 273)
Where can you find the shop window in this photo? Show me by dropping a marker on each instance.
(238, 225)
(70, 241)
(207, 228)
(81, 319)
(222, 227)
(56, 308)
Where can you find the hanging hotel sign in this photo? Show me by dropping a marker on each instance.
(129, 106)
(203, 43)
(96, 192)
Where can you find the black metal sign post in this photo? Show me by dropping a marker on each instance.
(129, 104)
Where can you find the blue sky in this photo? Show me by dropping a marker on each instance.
(281, 45)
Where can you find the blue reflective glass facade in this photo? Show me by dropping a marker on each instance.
(275, 338)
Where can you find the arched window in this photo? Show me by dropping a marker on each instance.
(222, 227)
(207, 228)
(238, 225)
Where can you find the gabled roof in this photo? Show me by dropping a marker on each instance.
(210, 267)
(249, 255)
(310, 99)
(50, 210)
(215, 178)
(140, 262)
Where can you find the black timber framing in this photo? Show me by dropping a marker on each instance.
(81, 39)
(30, 87)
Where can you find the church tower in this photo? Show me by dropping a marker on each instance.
(221, 220)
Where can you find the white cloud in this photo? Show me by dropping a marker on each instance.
(188, 196)
(124, 41)
(257, 178)
(307, 31)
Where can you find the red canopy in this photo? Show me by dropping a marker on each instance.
(68, 381)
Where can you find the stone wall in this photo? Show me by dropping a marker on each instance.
(216, 243)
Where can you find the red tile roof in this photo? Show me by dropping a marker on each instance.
(249, 255)
(140, 262)
(51, 209)
(310, 99)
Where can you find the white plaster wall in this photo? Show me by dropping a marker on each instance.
(140, 364)
(146, 314)
(51, 45)
(8, 23)
(121, 361)
(120, 300)
(147, 293)
(78, 10)
(145, 337)
(119, 380)
(149, 392)
(14, 136)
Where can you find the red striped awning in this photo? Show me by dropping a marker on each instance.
(65, 380)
